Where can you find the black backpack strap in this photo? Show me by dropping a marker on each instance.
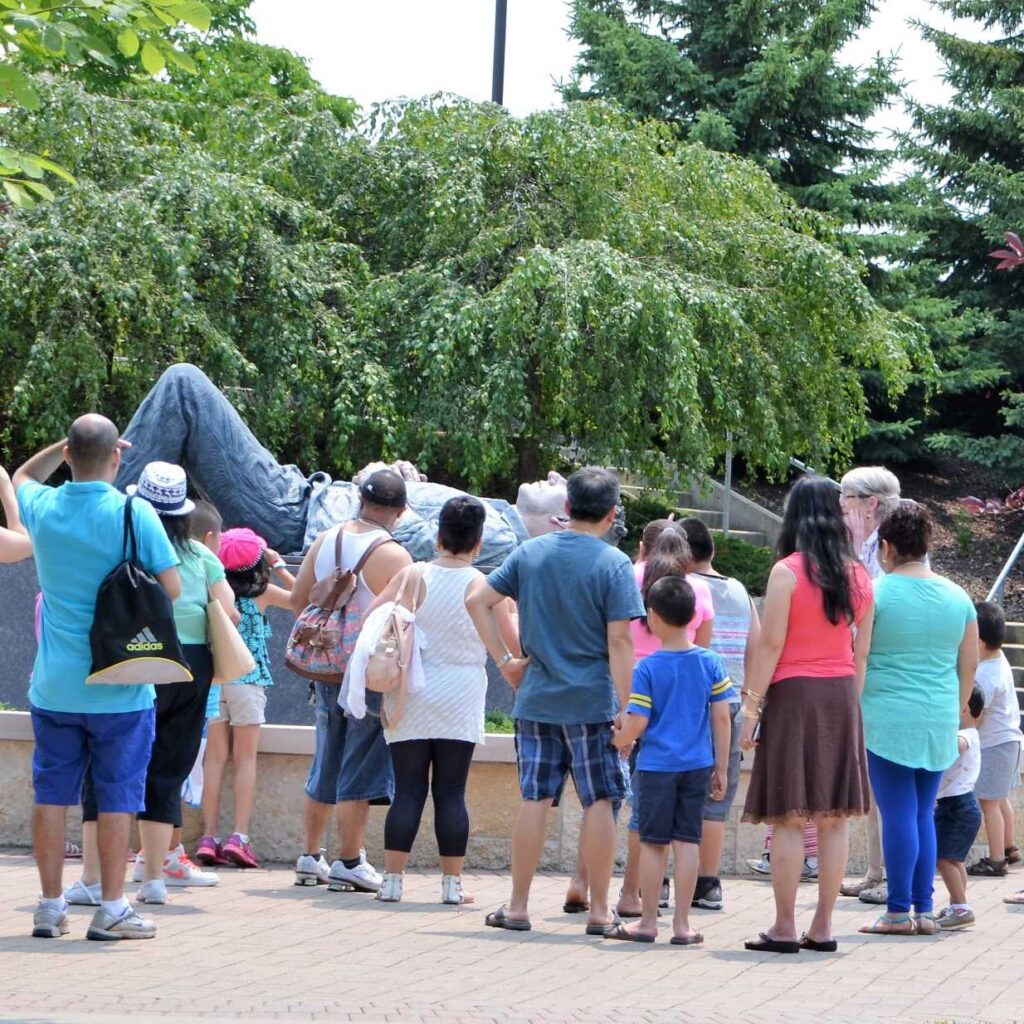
(129, 534)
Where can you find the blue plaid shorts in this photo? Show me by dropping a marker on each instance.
(547, 753)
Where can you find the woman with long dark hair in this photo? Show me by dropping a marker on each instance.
(801, 708)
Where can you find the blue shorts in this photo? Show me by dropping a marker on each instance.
(116, 747)
(352, 761)
(957, 821)
(670, 805)
(548, 753)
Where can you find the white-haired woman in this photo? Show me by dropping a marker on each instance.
(868, 495)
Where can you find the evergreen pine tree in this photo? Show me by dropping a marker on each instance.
(971, 152)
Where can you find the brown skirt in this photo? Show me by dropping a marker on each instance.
(809, 759)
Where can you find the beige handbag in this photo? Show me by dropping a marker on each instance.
(231, 658)
(388, 665)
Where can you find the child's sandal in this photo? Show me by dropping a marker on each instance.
(901, 924)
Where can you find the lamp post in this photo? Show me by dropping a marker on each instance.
(498, 74)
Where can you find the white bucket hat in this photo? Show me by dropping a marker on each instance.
(164, 486)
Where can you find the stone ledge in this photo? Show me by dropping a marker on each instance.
(498, 748)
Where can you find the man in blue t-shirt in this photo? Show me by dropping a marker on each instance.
(77, 534)
(576, 597)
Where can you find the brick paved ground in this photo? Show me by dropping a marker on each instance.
(259, 948)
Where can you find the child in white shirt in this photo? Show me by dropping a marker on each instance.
(958, 817)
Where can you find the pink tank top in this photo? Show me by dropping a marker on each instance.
(814, 646)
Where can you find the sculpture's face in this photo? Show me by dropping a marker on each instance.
(541, 503)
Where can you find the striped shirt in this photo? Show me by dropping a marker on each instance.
(731, 625)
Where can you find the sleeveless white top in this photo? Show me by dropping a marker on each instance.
(352, 547)
(451, 704)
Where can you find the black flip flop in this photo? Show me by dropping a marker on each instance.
(690, 940)
(499, 919)
(830, 946)
(575, 908)
(619, 931)
(766, 944)
(604, 929)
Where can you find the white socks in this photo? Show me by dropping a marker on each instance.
(115, 907)
(56, 903)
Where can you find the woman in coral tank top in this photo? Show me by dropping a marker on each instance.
(801, 708)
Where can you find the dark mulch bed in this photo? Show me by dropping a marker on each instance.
(969, 549)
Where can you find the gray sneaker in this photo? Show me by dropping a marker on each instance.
(809, 873)
(877, 895)
(49, 923)
(106, 927)
(951, 918)
(81, 895)
(763, 866)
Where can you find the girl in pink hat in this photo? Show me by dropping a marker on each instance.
(250, 565)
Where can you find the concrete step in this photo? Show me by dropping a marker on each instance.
(1015, 632)
(1014, 654)
(711, 517)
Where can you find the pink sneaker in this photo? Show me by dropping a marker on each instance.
(209, 852)
(238, 851)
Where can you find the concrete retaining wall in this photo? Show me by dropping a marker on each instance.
(284, 757)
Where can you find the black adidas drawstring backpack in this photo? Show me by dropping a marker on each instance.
(133, 637)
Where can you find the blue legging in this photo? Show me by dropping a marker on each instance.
(906, 802)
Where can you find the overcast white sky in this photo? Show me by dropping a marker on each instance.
(389, 48)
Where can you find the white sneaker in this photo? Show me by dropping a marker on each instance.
(391, 888)
(179, 870)
(49, 923)
(81, 895)
(139, 869)
(153, 891)
(362, 878)
(762, 866)
(106, 927)
(310, 870)
(451, 889)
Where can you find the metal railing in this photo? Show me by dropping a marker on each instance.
(809, 471)
(997, 592)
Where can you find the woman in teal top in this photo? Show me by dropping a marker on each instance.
(924, 650)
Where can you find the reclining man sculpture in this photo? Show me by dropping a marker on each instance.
(187, 420)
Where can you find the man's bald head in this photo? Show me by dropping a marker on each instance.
(92, 450)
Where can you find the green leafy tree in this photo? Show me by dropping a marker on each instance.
(760, 79)
(971, 151)
(110, 34)
(448, 283)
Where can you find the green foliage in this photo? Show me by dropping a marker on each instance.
(972, 149)
(450, 284)
(499, 722)
(760, 79)
(112, 34)
(733, 556)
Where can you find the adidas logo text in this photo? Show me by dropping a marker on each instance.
(144, 641)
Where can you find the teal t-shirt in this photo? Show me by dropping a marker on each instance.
(200, 568)
(911, 701)
(568, 586)
(77, 531)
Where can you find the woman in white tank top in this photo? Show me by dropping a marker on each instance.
(432, 744)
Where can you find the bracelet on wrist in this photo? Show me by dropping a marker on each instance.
(279, 565)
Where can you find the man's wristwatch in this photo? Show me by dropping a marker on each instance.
(506, 659)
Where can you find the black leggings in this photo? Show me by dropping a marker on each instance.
(444, 766)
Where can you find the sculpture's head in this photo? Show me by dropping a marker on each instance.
(541, 504)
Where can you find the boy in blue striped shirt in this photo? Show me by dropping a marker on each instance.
(678, 696)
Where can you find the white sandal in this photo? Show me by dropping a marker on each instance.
(452, 891)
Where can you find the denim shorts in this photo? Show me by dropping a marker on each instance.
(548, 753)
(351, 761)
(957, 820)
(718, 810)
(116, 747)
(670, 805)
